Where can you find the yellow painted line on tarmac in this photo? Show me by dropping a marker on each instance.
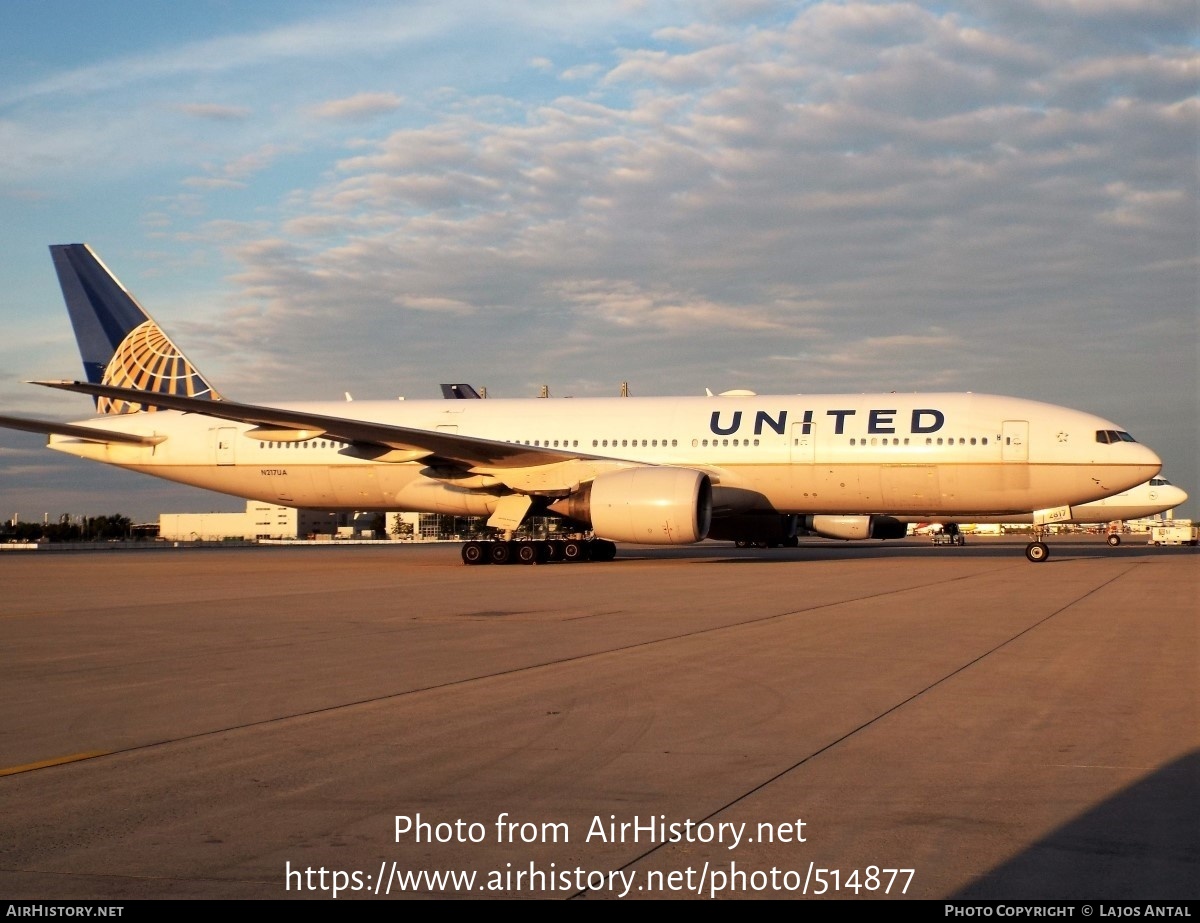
(57, 761)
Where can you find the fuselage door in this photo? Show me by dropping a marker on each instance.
(1015, 441)
(802, 447)
(223, 441)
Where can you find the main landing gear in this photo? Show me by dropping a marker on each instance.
(539, 552)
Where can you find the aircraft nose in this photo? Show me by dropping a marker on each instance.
(1146, 459)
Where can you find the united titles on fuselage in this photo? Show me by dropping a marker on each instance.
(921, 421)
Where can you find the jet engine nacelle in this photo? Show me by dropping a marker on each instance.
(655, 506)
(853, 528)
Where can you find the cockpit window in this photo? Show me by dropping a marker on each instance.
(1109, 436)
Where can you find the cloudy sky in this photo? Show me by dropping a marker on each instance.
(317, 197)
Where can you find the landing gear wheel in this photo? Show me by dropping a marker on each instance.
(527, 553)
(574, 550)
(475, 553)
(501, 552)
(1114, 540)
(1037, 552)
(555, 549)
(603, 550)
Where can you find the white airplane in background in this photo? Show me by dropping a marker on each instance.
(651, 470)
(1155, 496)
(1149, 499)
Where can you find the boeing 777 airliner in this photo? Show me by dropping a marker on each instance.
(651, 470)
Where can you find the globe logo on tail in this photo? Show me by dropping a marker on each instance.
(148, 361)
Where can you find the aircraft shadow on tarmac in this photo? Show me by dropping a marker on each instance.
(1141, 844)
(825, 550)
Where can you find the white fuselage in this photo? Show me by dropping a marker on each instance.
(1140, 502)
(914, 454)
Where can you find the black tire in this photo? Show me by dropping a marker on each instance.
(1114, 540)
(526, 553)
(475, 553)
(603, 550)
(555, 548)
(501, 552)
(1037, 552)
(574, 550)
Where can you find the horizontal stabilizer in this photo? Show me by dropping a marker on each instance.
(88, 433)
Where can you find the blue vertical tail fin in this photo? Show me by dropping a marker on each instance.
(119, 342)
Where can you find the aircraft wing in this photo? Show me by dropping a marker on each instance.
(88, 433)
(467, 451)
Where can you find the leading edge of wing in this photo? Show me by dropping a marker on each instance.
(86, 433)
(469, 451)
